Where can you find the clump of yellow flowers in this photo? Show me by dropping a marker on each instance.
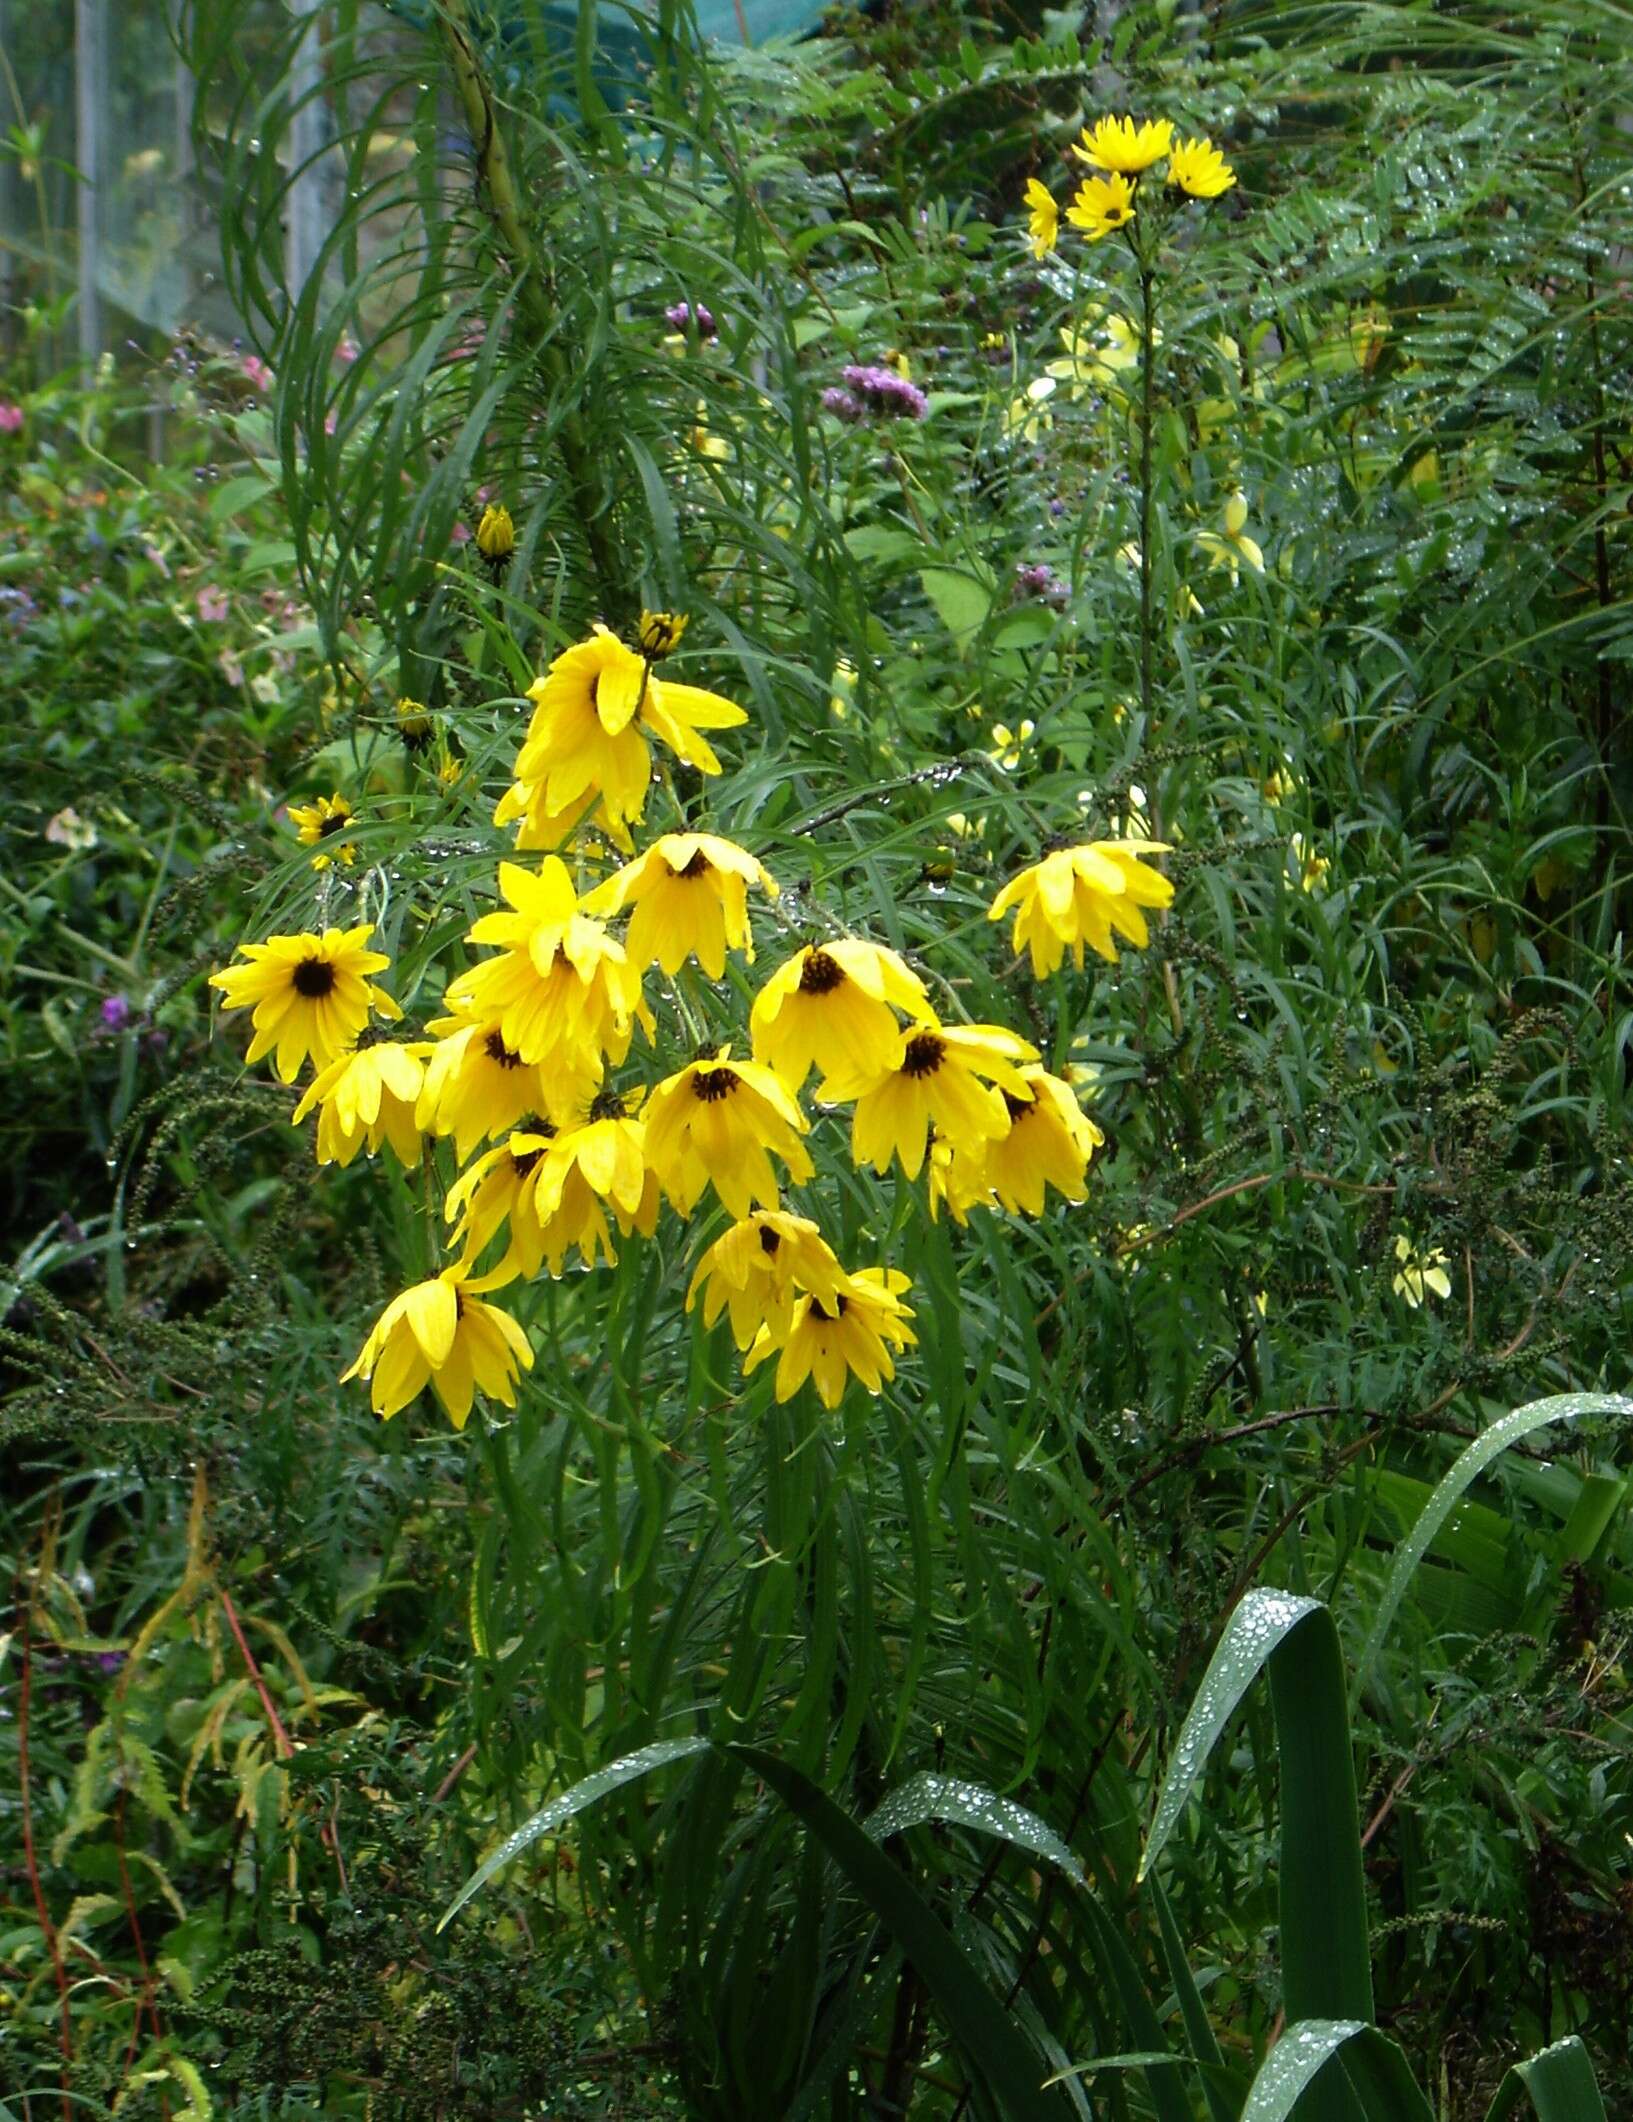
(568, 1152)
(1121, 155)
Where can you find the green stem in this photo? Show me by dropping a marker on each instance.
(1148, 340)
(504, 207)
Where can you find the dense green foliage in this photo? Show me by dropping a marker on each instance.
(279, 1676)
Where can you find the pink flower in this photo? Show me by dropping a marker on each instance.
(212, 604)
(460, 534)
(11, 418)
(346, 351)
(257, 371)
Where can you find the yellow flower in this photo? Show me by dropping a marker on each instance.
(850, 1335)
(586, 743)
(1278, 785)
(1120, 144)
(320, 821)
(311, 994)
(1100, 348)
(1008, 744)
(1309, 867)
(496, 536)
(1234, 545)
(832, 1006)
(555, 1190)
(562, 991)
(701, 440)
(842, 689)
(1081, 895)
(940, 1076)
(690, 895)
(715, 1121)
(758, 1268)
(1100, 205)
(1422, 1272)
(1028, 414)
(678, 714)
(1050, 1142)
(485, 1196)
(413, 723)
(368, 1097)
(1043, 218)
(658, 634)
(957, 1180)
(475, 1085)
(437, 1332)
(1199, 169)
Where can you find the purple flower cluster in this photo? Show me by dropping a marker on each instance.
(1038, 579)
(875, 390)
(680, 314)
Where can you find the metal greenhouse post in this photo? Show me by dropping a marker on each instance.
(303, 230)
(90, 82)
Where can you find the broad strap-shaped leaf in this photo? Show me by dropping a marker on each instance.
(932, 1797)
(582, 1795)
(1261, 1621)
(1326, 1964)
(1352, 2060)
(1559, 2082)
(1472, 1461)
(988, 2034)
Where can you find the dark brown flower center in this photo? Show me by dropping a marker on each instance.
(496, 1050)
(314, 978)
(607, 1104)
(923, 1054)
(699, 866)
(333, 823)
(828, 1318)
(820, 974)
(1018, 1108)
(769, 1240)
(713, 1084)
(523, 1160)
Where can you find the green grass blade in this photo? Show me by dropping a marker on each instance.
(1536, 1414)
(1261, 1621)
(932, 1797)
(990, 2038)
(586, 1793)
(1198, 2027)
(1161, 2077)
(1559, 2082)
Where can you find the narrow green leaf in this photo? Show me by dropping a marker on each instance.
(1559, 2082)
(1536, 1414)
(932, 1797)
(1198, 2027)
(589, 1792)
(1167, 2094)
(973, 2016)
